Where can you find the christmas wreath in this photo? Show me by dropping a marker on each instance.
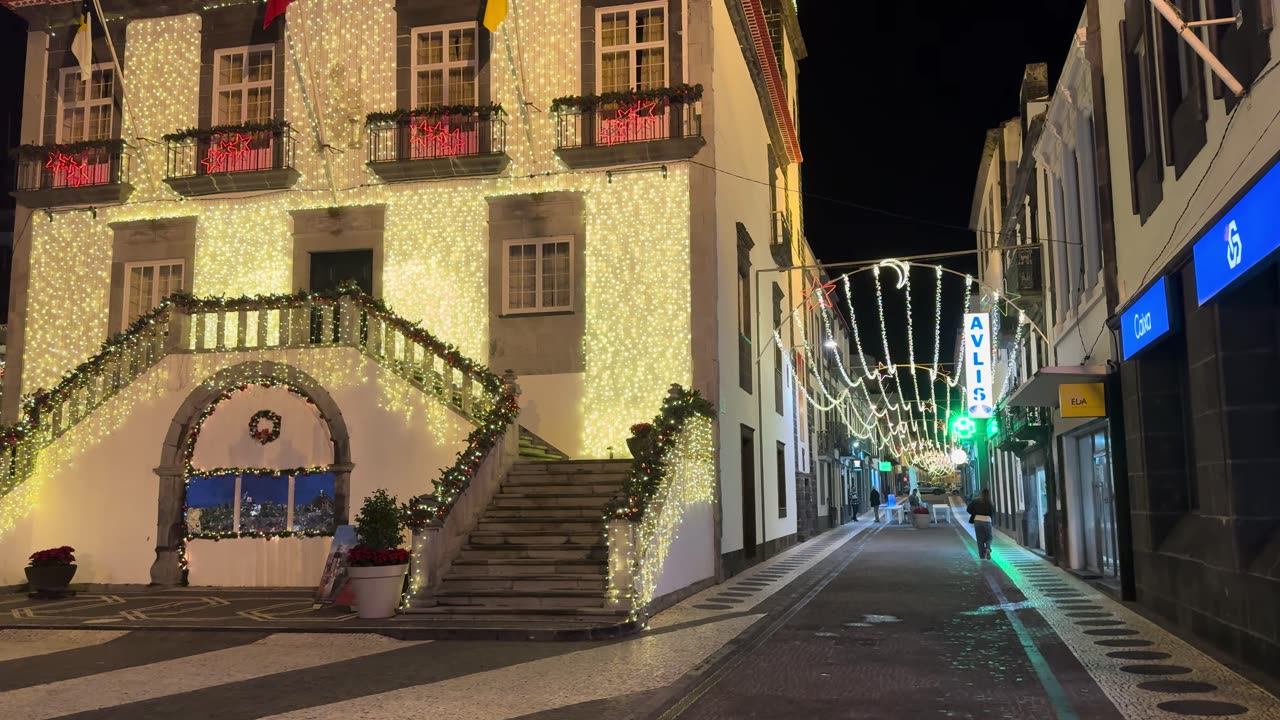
(270, 432)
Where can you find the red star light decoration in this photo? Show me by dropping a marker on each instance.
(222, 152)
(69, 170)
(634, 121)
(438, 140)
(819, 296)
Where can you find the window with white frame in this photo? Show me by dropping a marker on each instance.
(146, 284)
(538, 275)
(87, 108)
(244, 85)
(631, 48)
(445, 62)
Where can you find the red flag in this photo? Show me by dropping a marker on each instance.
(274, 9)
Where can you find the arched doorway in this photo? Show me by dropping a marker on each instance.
(175, 455)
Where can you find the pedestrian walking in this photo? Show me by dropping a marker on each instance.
(875, 502)
(980, 512)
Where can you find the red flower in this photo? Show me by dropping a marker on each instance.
(361, 556)
(53, 556)
(919, 511)
(641, 428)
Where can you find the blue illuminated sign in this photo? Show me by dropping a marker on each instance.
(1245, 236)
(1146, 320)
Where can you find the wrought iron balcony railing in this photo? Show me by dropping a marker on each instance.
(630, 127)
(426, 146)
(79, 173)
(231, 161)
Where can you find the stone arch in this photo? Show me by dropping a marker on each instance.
(172, 471)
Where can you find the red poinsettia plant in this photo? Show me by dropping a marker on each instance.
(640, 429)
(361, 556)
(53, 556)
(920, 511)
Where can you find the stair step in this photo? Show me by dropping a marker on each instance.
(536, 537)
(551, 615)
(558, 512)
(573, 467)
(532, 551)
(513, 567)
(571, 479)
(523, 600)
(594, 488)
(554, 582)
(521, 524)
(524, 500)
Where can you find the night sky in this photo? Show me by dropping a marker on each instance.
(895, 101)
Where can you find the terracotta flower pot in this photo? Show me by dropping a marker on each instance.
(50, 578)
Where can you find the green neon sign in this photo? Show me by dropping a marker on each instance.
(963, 427)
(993, 427)
(886, 466)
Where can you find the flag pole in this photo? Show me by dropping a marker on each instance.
(125, 107)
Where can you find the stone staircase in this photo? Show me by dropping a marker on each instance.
(535, 449)
(538, 556)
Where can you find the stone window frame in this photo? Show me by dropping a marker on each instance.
(156, 298)
(245, 85)
(412, 15)
(88, 103)
(147, 241)
(632, 46)
(445, 65)
(745, 324)
(538, 308)
(588, 51)
(337, 240)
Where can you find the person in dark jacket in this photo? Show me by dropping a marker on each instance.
(980, 512)
(875, 502)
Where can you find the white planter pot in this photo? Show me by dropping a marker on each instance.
(920, 521)
(377, 590)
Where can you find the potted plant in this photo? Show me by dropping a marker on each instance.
(377, 565)
(642, 441)
(50, 571)
(920, 517)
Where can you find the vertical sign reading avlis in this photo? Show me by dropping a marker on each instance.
(977, 365)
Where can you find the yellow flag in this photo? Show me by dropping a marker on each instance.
(495, 11)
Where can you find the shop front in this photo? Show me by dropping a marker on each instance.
(1200, 344)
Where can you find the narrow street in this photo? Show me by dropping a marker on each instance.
(867, 621)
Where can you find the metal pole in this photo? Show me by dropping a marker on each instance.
(1175, 19)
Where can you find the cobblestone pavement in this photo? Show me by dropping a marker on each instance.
(862, 622)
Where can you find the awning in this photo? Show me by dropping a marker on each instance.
(1042, 389)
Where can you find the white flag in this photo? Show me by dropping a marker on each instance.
(82, 47)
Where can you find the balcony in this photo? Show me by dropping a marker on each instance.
(631, 128)
(405, 147)
(88, 173)
(780, 245)
(1026, 423)
(231, 159)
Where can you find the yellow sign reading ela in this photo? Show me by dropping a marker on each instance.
(1082, 400)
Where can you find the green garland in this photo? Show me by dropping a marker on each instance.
(216, 536)
(679, 94)
(395, 116)
(274, 126)
(651, 443)
(41, 152)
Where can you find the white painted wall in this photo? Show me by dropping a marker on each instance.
(692, 557)
(96, 489)
(551, 408)
(225, 441)
(741, 139)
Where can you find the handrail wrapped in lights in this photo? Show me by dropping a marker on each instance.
(673, 470)
(345, 317)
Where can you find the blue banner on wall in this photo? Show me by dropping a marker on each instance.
(1246, 235)
(1146, 320)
